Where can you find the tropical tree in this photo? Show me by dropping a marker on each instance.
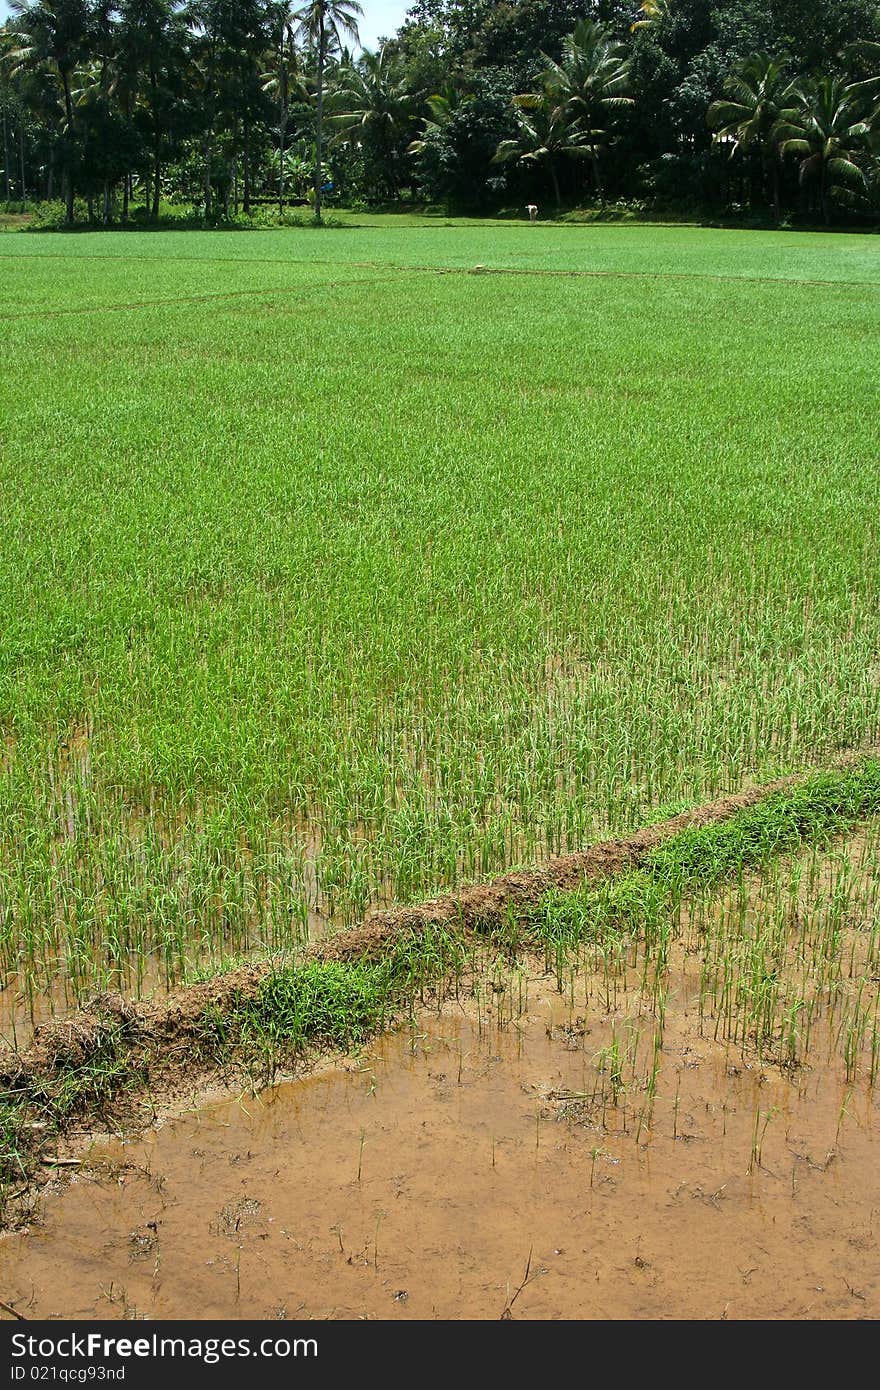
(442, 107)
(151, 66)
(298, 170)
(285, 84)
(454, 154)
(54, 35)
(826, 128)
(231, 37)
(6, 121)
(545, 136)
(373, 102)
(32, 97)
(13, 116)
(322, 24)
(867, 55)
(581, 91)
(107, 141)
(755, 96)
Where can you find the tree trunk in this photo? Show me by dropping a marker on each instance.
(247, 169)
(392, 185)
(281, 168)
(157, 184)
(6, 158)
(68, 171)
(157, 145)
(106, 208)
(21, 159)
(777, 205)
(126, 191)
(555, 182)
(596, 175)
(209, 134)
(209, 159)
(319, 121)
(209, 138)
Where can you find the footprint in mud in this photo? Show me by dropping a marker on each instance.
(243, 1212)
(141, 1245)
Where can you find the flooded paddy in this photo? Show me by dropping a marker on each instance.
(470, 1168)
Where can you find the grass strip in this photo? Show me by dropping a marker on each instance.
(701, 857)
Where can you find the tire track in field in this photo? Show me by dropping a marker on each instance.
(538, 271)
(130, 306)
(663, 275)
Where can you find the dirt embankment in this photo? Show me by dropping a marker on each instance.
(161, 1036)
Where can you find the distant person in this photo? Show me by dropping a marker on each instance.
(532, 210)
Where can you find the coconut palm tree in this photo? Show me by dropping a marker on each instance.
(544, 137)
(372, 97)
(34, 95)
(322, 24)
(284, 81)
(755, 96)
(587, 85)
(826, 128)
(442, 107)
(54, 35)
(867, 54)
(149, 60)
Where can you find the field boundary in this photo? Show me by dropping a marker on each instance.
(400, 270)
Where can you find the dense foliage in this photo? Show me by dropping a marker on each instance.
(751, 106)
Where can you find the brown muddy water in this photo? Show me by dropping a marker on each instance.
(476, 1165)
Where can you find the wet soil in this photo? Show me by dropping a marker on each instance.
(477, 1165)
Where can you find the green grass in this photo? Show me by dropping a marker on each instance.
(330, 577)
(699, 858)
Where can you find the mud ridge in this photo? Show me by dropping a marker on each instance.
(169, 1029)
(481, 907)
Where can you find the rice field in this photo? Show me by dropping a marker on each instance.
(338, 569)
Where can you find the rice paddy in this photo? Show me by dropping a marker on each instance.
(334, 575)
(344, 570)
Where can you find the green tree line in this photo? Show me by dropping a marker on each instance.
(119, 107)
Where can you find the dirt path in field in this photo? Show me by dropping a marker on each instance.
(468, 1169)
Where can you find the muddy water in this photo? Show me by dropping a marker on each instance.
(428, 1178)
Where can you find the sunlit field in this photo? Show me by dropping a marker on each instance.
(338, 568)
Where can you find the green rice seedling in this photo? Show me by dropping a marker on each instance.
(762, 1120)
(610, 1060)
(875, 1054)
(279, 648)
